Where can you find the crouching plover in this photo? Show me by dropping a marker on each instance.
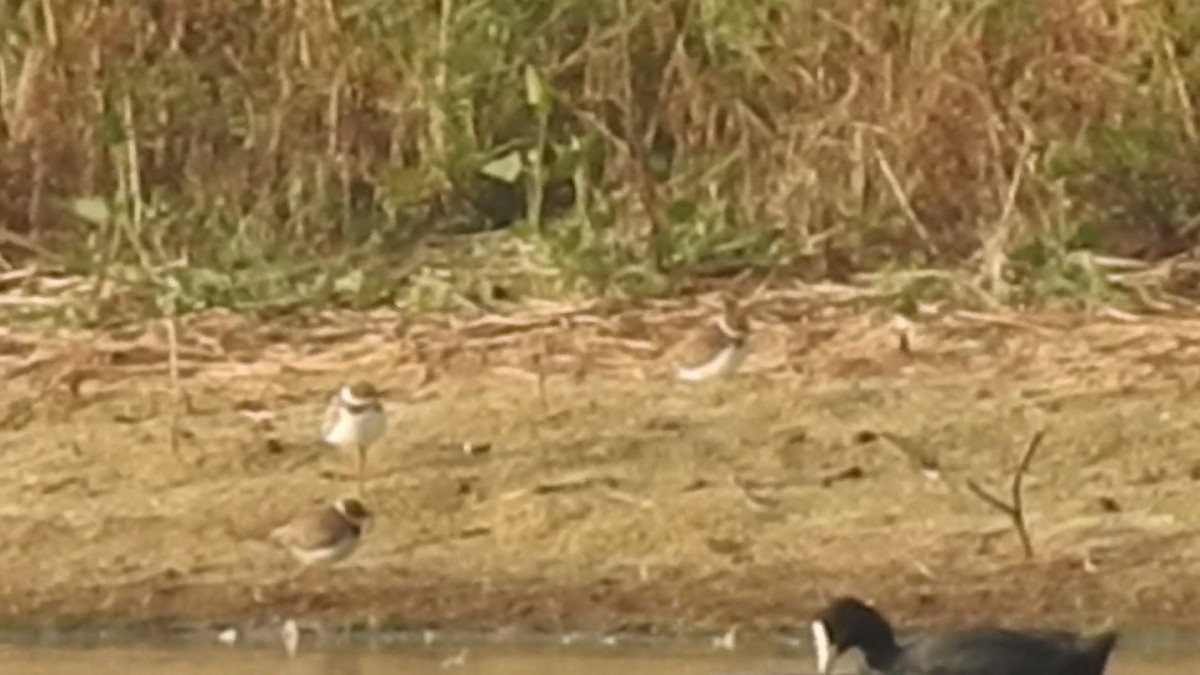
(715, 349)
(323, 534)
(354, 418)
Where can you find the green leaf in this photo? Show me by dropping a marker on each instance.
(568, 159)
(506, 168)
(536, 92)
(351, 283)
(681, 211)
(92, 209)
(112, 128)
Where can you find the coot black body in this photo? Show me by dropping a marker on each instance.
(848, 623)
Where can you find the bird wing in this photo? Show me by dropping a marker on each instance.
(699, 346)
(315, 529)
(988, 652)
(330, 418)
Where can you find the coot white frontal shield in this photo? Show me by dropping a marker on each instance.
(821, 647)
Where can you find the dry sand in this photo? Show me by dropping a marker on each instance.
(626, 500)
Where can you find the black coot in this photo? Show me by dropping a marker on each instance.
(847, 623)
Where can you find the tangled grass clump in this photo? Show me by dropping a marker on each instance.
(274, 153)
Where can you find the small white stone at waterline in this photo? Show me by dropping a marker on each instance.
(456, 661)
(291, 637)
(728, 641)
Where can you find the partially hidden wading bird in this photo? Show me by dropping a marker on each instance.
(714, 349)
(323, 534)
(354, 418)
(847, 623)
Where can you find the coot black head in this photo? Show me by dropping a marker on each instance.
(847, 623)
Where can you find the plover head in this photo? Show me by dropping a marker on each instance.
(352, 510)
(359, 395)
(732, 322)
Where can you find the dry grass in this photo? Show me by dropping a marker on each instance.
(256, 152)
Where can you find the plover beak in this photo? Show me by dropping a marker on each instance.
(821, 647)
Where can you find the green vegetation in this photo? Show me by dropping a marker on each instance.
(264, 154)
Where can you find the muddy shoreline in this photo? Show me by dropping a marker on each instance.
(1032, 595)
(625, 503)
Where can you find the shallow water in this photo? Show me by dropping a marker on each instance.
(473, 660)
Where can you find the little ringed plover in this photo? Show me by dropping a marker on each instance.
(354, 418)
(716, 349)
(323, 534)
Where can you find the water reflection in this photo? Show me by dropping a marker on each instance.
(452, 660)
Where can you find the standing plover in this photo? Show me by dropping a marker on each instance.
(715, 349)
(323, 534)
(354, 417)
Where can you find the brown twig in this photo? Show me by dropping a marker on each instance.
(1016, 509)
(921, 459)
(539, 364)
(176, 398)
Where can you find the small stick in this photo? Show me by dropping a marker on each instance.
(920, 459)
(1016, 509)
(539, 364)
(173, 365)
(541, 382)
